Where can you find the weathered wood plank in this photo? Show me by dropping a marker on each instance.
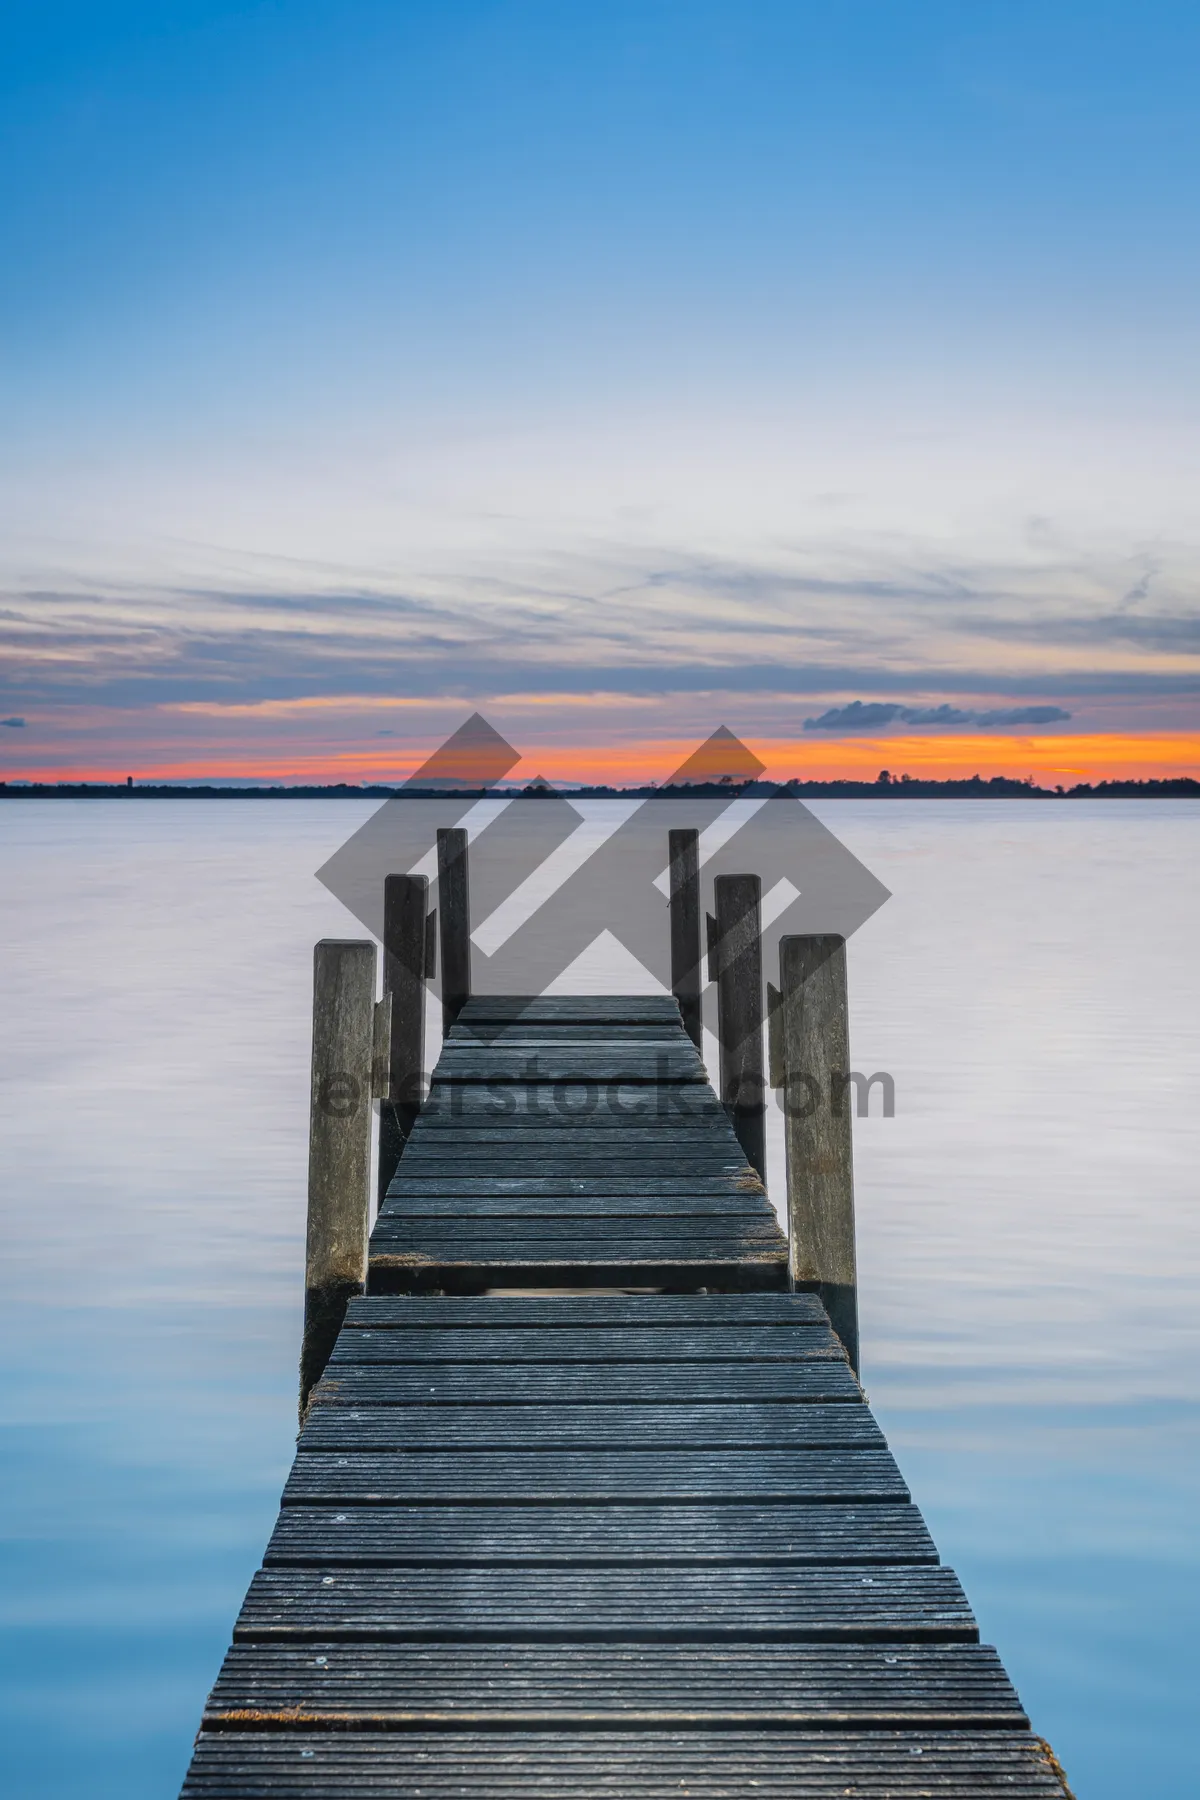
(705, 1427)
(514, 1236)
(469, 1123)
(629, 1101)
(410, 1273)
(516, 1160)
(426, 1204)
(559, 1031)
(588, 1261)
(604, 1345)
(611, 1064)
(585, 1009)
(563, 1477)
(320, 1536)
(910, 1603)
(725, 1765)
(633, 1257)
(602, 1239)
(531, 1185)
(586, 1312)
(679, 1384)
(405, 1686)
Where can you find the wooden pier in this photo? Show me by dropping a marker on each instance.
(545, 1537)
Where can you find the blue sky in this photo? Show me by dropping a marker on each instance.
(666, 358)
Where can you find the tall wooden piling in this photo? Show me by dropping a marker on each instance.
(454, 923)
(407, 958)
(735, 950)
(339, 1146)
(814, 1042)
(685, 930)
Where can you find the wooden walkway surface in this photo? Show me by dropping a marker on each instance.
(581, 1544)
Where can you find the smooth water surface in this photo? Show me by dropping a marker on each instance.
(1028, 1241)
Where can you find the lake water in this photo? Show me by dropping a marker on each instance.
(1029, 1241)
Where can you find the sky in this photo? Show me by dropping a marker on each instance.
(828, 372)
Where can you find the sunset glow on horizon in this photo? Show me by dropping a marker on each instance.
(1063, 761)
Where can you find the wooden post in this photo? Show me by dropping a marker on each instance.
(735, 952)
(814, 1041)
(454, 921)
(407, 956)
(339, 1147)
(685, 930)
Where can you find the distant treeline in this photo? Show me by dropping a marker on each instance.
(885, 787)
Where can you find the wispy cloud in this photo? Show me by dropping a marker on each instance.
(865, 715)
(836, 636)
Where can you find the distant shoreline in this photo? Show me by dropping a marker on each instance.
(998, 787)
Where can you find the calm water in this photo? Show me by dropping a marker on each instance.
(1028, 1234)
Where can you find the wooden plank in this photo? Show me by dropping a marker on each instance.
(609, 1344)
(519, 1159)
(471, 1040)
(406, 1206)
(316, 1536)
(497, 1242)
(724, 1765)
(622, 1100)
(611, 1064)
(585, 1009)
(703, 1427)
(560, 1031)
(547, 1147)
(433, 1205)
(727, 1234)
(910, 1603)
(633, 1175)
(529, 1184)
(590, 1261)
(584, 1312)
(407, 1197)
(679, 1384)
(502, 1258)
(411, 1273)
(563, 1477)
(694, 1127)
(534, 1141)
(406, 1686)
(577, 1180)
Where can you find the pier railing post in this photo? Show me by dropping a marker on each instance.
(454, 922)
(685, 930)
(735, 952)
(814, 1044)
(339, 1147)
(409, 950)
